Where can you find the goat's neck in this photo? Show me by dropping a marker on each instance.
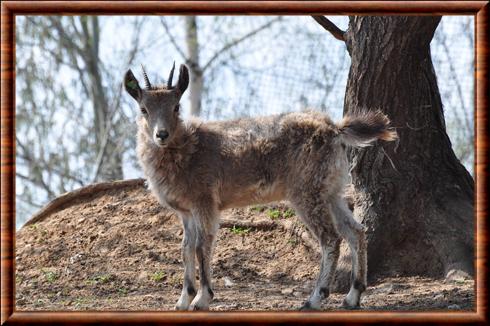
(172, 157)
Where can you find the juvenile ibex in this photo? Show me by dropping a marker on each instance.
(198, 169)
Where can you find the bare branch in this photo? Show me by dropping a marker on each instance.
(239, 40)
(38, 182)
(172, 39)
(331, 27)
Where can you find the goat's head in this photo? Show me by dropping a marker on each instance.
(159, 105)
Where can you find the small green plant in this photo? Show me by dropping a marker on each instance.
(100, 279)
(122, 291)
(158, 276)
(81, 301)
(33, 227)
(239, 230)
(103, 278)
(273, 213)
(293, 241)
(276, 213)
(288, 213)
(50, 276)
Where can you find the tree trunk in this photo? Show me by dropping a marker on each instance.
(109, 160)
(196, 73)
(413, 195)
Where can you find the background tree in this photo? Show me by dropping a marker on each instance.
(68, 109)
(414, 197)
(193, 55)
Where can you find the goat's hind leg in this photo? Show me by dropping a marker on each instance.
(353, 233)
(319, 222)
(189, 260)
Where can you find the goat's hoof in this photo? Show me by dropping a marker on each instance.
(347, 305)
(308, 307)
(198, 308)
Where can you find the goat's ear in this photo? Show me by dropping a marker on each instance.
(131, 85)
(183, 79)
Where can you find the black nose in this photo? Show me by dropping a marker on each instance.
(162, 134)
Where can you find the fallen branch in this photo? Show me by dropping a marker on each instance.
(261, 225)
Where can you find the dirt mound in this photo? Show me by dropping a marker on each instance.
(114, 248)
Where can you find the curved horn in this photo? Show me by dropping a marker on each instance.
(145, 76)
(170, 77)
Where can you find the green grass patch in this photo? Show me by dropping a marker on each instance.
(100, 279)
(288, 213)
(276, 213)
(273, 213)
(240, 230)
(158, 276)
(122, 291)
(49, 276)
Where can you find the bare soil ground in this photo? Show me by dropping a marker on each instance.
(118, 250)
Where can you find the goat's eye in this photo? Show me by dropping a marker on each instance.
(177, 107)
(143, 110)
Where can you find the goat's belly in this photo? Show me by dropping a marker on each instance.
(256, 194)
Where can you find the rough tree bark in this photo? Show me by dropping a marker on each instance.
(414, 196)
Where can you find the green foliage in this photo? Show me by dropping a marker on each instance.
(273, 213)
(158, 276)
(122, 291)
(288, 213)
(239, 230)
(100, 279)
(276, 213)
(80, 301)
(50, 276)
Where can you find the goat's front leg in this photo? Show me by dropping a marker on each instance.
(207, 224)
(189, 260)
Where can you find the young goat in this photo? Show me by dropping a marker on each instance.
(198, 169)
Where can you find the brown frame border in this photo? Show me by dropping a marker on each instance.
(9, 9)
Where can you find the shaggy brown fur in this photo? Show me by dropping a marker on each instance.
(199, 168)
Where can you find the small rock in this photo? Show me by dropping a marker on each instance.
(142, 276)
(454, 307)
(457, 276)
(228, 282)
(20, 301)
(385, 288)
(439, 297)
(297, 294)
(76, 258)
(287, 291)
(154, 256)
